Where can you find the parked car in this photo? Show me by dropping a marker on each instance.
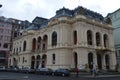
(27, 70)
(2, 68)
(61, 72)
(13, 69)
(44, 71)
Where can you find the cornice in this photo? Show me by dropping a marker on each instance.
(81, 18)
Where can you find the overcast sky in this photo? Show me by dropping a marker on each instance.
(29, 9)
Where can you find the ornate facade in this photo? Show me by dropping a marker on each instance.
(72, 38)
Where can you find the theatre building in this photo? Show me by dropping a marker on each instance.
(70, 39)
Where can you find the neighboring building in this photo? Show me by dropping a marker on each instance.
(115, 19)
(10, 28)
(5, 40)
(17, 27)
(70, 39)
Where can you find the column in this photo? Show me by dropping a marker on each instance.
(95, 58)
(36, 45)
(94, 39)
(102, 41)
(35, 63)
(112, 60)
(103, 62)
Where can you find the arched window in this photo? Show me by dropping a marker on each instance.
(89, 37)
(17, 51)
(5, 45)
(44, 61)
(14, 51)
(98, 42)
(37, 61)
(75, 37)
(107, 61)
(45, 40)
(53, 58)
(54, 38)
(32, 62)
(105, 37)
(34, 44)
(24, 46)
(23, 59)
(99, 61)
(39, 43)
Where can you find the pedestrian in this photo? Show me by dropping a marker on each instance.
(94, 70)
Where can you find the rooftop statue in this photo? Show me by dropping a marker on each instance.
(80, 11)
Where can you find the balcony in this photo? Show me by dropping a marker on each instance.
(103, 49)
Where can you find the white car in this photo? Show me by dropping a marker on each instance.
(27, 70)
(2, 68)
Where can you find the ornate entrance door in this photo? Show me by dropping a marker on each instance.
(107, 61)
(90, 60)
(75, 60)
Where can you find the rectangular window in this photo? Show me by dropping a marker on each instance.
(2, 25)
(9, 31)
(2, 54)
(1, 37)
(1, 30)
(5, 38)
(116, 53)
(23, 59)
(43, 46)
(119, 52)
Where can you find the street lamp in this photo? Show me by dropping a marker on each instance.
(0, 5)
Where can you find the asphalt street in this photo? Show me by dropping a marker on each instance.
(23, 76)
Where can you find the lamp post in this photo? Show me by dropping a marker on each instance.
(0, 5)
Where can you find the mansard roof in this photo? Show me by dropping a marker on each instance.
(40, 22)
(64, 12)
(79, 10)
(32, 27)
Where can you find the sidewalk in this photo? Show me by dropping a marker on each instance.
(99, 75)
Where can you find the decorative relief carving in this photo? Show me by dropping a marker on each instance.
(108, 21)
(53, 21)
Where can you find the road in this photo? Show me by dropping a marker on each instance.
(23, 76)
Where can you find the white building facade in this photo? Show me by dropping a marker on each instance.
(66, 42)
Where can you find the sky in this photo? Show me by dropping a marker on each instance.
(29, 9)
